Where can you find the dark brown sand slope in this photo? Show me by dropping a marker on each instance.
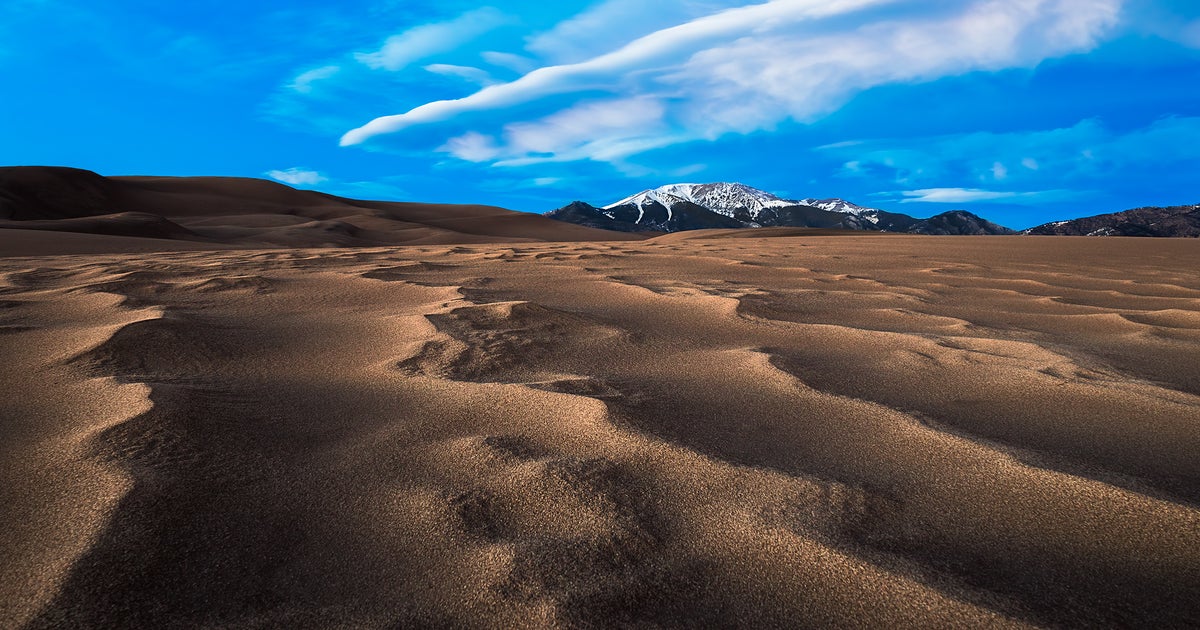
(795, 432)
(178, 212)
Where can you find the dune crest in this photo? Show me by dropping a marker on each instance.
(58, 497)
(89, 213)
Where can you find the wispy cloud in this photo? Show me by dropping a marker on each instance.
(303, 82)
(1077, 155)
(668, 46)
(382, 188)
(958, 195)
(466, 73)
(422, 42)
(297, 176)
(600, 130)
(509, 61)
(472, 147)
(753, 67)
(613, 23)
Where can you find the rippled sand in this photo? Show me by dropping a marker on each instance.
(797, 431)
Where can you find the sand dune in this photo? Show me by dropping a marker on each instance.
(847, 431)
(239, 212)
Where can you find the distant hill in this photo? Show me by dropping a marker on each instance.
(681, 207)
(246, 212)
(1173, 221)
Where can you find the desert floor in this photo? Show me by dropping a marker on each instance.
(714, 431)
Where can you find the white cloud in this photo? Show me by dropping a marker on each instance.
(663, 46)
(509, 61)
(597, 126)
(604, 130)
(752, 83)
(421, 42)
(613, 23)
(303, 82)
(472, 147)
(970, 195)
(999, 171)
(690, 169)
(841, 145)
(466, 73)
(752, 67)
(957, 195)
(297, 176)
(1085, 152)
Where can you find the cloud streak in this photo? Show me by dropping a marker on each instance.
(303, 83)
(297, 176)
(662, 46)
(754, 67)
(1085, 152)
(466, 73)
(613, 23)
(958, 195)
(422, 42)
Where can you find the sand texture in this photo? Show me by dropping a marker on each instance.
(47, 210)
(705, 430)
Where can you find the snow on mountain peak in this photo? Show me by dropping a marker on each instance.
(722, 197)
(836, 205)
(733, 200)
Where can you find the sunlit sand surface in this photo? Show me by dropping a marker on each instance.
(697, 430)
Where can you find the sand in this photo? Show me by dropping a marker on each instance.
(47, 210)
(713, 429)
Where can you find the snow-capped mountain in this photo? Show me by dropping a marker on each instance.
(735, 200)
(722, 198)
(836, 205)
(677, 207)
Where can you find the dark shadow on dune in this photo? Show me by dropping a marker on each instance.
(192, 543)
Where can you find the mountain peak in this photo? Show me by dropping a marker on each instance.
(723, 197)
(1147, 221)
(686, 206)
(836, 205)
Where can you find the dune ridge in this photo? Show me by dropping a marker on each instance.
(127, 214)
(56, 498)
(794, 431)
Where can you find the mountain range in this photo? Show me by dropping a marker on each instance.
(1152, 221)
(679, 207)
(47, 210)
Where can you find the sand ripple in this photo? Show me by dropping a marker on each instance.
(826, 432)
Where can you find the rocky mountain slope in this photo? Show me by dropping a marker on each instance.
(1152, 221)
(679, 207)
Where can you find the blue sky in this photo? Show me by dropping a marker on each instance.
(1023, 111)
